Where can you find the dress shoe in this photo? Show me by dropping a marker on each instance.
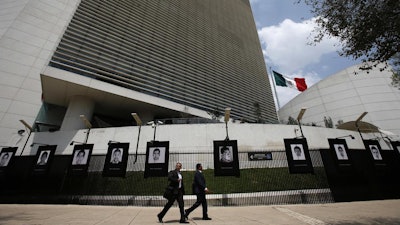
(159, 218)
(206, 218)
(183, 221)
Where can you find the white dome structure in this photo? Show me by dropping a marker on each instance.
(343, 97)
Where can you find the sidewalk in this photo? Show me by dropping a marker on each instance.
(368, 212)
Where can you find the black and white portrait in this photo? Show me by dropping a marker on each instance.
(157, 155)
(297, 152)
(43, 158)
(116, 156)
(226, 158)
(81, 157)
(116, 160)
(225, 154)
(5, 158)
(298, 156)
(157, 158)
(375, 152)
(340, 152)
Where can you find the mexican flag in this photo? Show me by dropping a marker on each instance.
(297, 83)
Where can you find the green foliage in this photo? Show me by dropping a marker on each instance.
(328, 122)
(368, 30)
(292, 121)
(251, 180)
(257, 112)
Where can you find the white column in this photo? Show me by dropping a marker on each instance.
(78, 105)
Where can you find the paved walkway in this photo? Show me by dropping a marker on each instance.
(368, 212)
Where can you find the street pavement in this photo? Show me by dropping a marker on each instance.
(353, 213)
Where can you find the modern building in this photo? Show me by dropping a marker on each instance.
(343, 97)
(106, 59)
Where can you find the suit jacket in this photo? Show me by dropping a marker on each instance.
(199, 183)
(174, 183)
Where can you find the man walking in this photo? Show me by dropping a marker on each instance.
(176, 183)
(200, 189)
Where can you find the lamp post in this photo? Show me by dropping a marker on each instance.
(88, 125)
(29, 127)
(226, 119)
(139, 123)
(299, 117)
(358, 120)
(154, 125)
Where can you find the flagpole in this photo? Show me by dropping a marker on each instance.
(273, 83)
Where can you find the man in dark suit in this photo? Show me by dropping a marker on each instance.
(200, 189)
(176, 183)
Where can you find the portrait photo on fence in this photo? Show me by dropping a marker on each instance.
(298, 155)
(297, 152)
(157, 157)
(44, 158)
(116, 160)
(81, 158)
(6, 156)
(226, 160)
(339, 153)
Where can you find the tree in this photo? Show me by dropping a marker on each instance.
(257, 112)
(368, 29)
(292, 121)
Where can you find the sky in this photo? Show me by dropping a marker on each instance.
(285, 29)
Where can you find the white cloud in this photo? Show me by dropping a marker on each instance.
(285, 45)
(286, 50)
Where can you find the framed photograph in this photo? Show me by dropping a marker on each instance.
(7, 156)
(374, 151)
(157, 157)
(226, 160)
(116, 160)
(43, 159)
(298, 156)
(340, 154)
(340, 149)
(373, 147)
(80, 159)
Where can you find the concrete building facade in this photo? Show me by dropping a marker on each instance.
(106, 59)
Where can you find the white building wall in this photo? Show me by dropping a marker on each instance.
(345, 96)
(29, 32)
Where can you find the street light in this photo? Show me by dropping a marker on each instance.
(137, 119)
(154, 125)
(139, 123)
(358, 120)
(226, 119)
(299, 117)
(88, 126)
(29, 127)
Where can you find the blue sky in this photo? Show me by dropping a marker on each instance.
(285, 28)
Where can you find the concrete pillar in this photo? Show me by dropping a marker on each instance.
(78, 105)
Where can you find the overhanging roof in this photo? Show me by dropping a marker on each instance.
(363, 127)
